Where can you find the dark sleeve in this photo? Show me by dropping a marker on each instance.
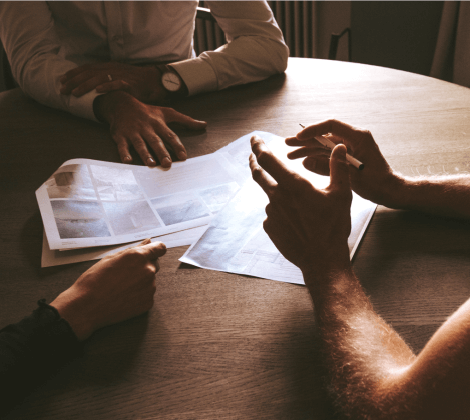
(31, 351)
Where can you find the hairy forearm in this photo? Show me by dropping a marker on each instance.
(445, 196)
(361, 352)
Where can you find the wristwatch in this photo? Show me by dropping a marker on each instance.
(172, 82)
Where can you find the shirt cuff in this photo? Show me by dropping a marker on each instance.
(198, 75)
(83, 106)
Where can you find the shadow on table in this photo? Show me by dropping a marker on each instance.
(110, 355)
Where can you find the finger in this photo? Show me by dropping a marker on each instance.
(270, 163)
(94, 67)
(145, 242)
(153, 250)
(83, 77)
(308, 151)
(339, 170)
(335, 127)
(259, 175)
(294, 141)
(123, 149)
(157, 145)
(168, 136)
(174, 116)
(114, 85)
(74, 72)
(319, 165)
(141, 149)
(87, 85)
(269, 210)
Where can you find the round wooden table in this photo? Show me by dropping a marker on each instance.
(219, 345)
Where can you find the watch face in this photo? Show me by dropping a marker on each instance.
(171, 82)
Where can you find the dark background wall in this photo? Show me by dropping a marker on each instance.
(396, 34)
(2, 85)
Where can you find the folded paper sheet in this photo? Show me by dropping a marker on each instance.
(88, 203)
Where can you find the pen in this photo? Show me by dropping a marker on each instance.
(328, 143)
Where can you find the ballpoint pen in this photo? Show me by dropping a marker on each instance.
(328, 143)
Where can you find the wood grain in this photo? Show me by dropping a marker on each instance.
(218, 345)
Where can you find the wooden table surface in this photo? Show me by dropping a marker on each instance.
(225, 346)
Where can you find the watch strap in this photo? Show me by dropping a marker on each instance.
(182, 91)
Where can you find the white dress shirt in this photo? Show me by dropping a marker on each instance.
(44, 40)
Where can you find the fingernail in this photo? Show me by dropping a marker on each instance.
(127, 158)
(150, 162)
(182, 155)
(166, 161)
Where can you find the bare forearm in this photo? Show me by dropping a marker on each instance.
(445, 196)
(361, 352)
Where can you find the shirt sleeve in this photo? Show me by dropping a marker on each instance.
(32, 46)
(255, 49)
(31, 351)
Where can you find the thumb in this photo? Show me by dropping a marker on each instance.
(339, 169)
(153, 250)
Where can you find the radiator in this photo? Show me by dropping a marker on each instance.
(297, 20)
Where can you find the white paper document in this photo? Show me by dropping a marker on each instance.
(236, 242)
(88, 203)
(53, 257)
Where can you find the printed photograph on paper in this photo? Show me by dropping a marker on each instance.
(115, 184)
(130, 217)
(79, 219)
(215, 198)
(71, 181)
(178, 208)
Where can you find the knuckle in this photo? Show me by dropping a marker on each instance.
(134, 256)
(150, 270)
(263, 157)
(278, 199)
(267, 225)
(332, 122)
(161, 249)
(147, 303)
(269, 209)
(171, 136)
(257, 173)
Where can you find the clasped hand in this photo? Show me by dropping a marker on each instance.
(142, 82)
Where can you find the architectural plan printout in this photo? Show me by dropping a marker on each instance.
(235, 240)
(92, 203)
(88, 203)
